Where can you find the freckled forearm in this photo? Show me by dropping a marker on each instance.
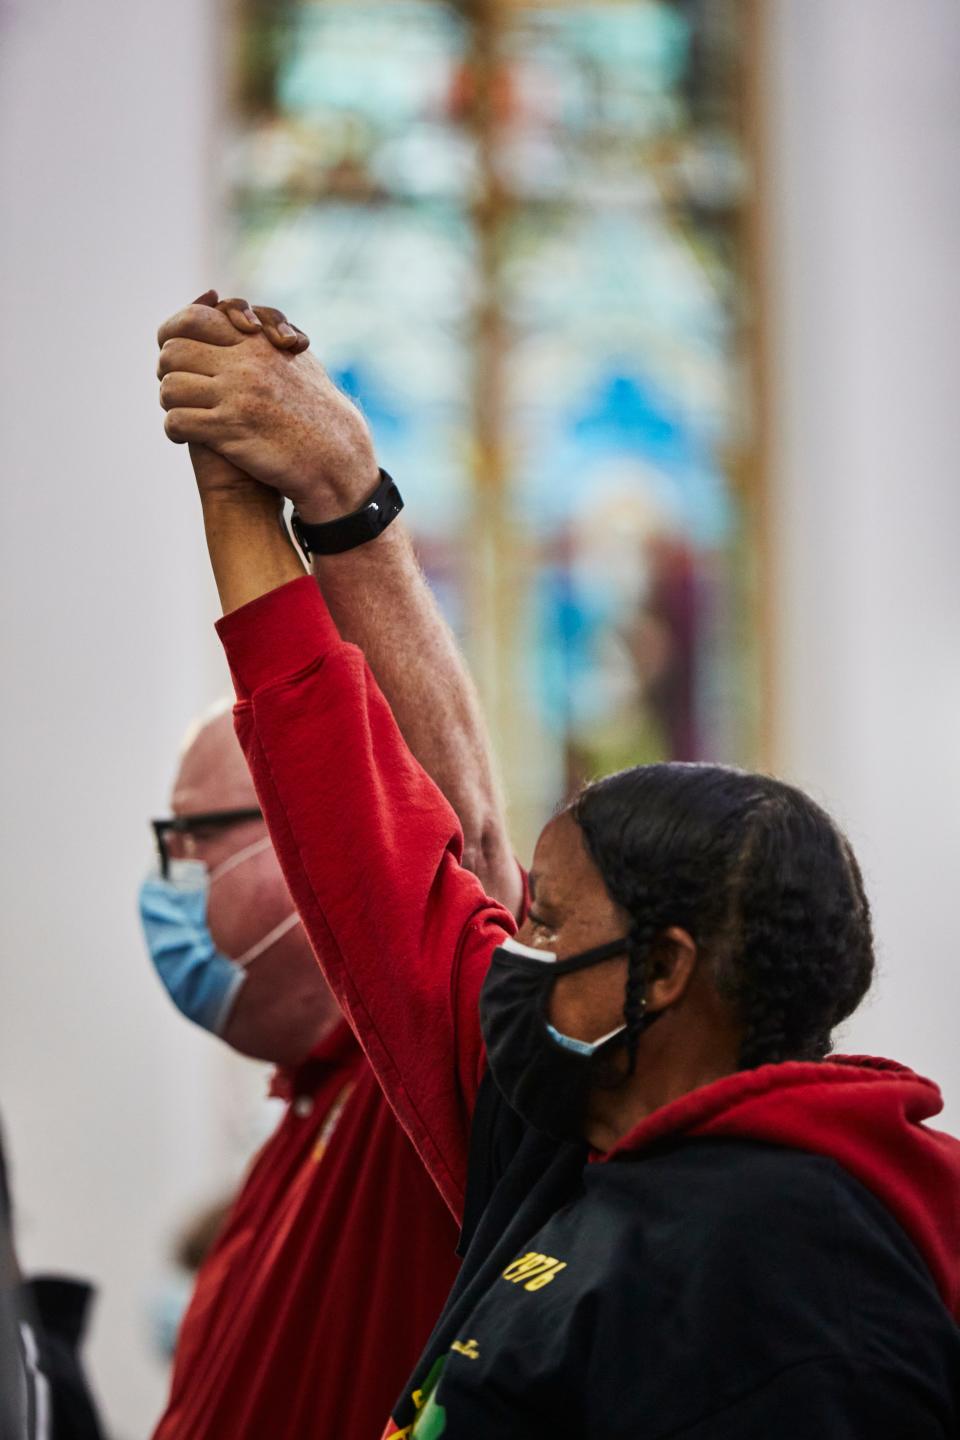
(381, 602)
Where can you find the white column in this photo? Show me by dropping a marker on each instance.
(863, 104)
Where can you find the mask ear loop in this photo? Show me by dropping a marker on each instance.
(256, 847)
(271, 937)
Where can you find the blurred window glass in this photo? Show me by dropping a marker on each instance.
(516, 233)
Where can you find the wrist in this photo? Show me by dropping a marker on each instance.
(251, 501)
(339, 493)
(360, 527)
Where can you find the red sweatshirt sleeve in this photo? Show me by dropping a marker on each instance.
(370, 849)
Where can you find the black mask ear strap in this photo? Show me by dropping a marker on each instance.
(595, 956)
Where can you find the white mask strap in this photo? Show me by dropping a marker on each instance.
(271, 937)
(232, 861)
(516, 947)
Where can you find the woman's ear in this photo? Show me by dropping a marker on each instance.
(673, 958)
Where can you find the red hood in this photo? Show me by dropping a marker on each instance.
(865, 1113)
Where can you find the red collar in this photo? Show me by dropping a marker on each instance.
(338, 1047)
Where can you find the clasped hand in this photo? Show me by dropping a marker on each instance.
(242, 389)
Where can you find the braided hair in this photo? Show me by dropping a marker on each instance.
(762, 880)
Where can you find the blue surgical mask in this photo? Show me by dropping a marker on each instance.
(200, 980)
(202, 983)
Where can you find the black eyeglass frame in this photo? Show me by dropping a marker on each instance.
(184, 824)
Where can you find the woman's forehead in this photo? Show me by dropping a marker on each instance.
(560, 858)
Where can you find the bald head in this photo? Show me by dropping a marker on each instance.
(213, 772)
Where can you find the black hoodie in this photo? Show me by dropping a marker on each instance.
(773, 1257)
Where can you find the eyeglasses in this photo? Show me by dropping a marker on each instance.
(199, 826)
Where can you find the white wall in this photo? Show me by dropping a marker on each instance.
(864, 107)
(105, 119)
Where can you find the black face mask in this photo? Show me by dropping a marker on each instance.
(546, 1077)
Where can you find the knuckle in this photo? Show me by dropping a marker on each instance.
(204, 323)
(197, 321)
(173, 425)
(243, 408)
(170, 326)
(184, 321)
(168, 354)
(251, 386)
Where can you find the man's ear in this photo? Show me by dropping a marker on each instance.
(673, 958)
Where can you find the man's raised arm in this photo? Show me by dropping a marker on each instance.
(370, 848)
(376, 594)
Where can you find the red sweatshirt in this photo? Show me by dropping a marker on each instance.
(370, 850)
(327, 1277)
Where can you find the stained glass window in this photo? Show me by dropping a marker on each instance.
(515, 233)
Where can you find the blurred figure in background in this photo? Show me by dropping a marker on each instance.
(190, 1245)
(44, 1394)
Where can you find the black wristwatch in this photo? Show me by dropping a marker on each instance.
(335, 536)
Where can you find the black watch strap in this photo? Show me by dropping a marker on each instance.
(335, 536)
